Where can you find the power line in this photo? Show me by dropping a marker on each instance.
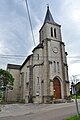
(30, 22)
(78, 57)
(34, 57)
(14, 55)
(11, 55)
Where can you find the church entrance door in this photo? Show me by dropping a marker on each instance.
(57, 88)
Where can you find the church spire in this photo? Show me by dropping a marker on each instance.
(49, 18)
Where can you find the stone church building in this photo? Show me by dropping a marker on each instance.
(43, 76)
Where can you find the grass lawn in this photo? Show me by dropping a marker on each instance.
(78, 97)
(74, 118)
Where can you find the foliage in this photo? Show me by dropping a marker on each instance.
(0, 93)
(5, 78)
(78, 97)
(74, 118)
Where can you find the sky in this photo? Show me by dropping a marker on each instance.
(16, 41)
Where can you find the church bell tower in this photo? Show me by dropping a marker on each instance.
(56, 81)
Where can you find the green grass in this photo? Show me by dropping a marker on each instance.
(78, 97)
(74, 118)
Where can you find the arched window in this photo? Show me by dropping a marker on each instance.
(55, 32)
(54, 66)
(37, 56)
(58, 69)
(38, 80)
(37, 86)
(51, 32)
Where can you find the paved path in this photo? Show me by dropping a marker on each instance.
(37, 111)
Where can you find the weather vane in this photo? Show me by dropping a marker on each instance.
(47, 5)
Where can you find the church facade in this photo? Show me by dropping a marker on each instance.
(43, 76)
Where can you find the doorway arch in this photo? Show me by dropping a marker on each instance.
(57, 88)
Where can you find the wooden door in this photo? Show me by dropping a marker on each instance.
(57, 88)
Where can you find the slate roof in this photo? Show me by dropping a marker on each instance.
(38, 46)
(25, 61)
(49, 18)
(12, 66)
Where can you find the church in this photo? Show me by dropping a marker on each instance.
(43, 76)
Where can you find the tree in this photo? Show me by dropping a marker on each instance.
(6, 79)
(0, 93)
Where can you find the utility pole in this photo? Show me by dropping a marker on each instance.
(75, 93)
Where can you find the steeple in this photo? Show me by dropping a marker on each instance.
(50, 29)
(49, 18)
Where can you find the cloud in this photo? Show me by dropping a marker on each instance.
(74, 69)
(70, 17)
(15, 32)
